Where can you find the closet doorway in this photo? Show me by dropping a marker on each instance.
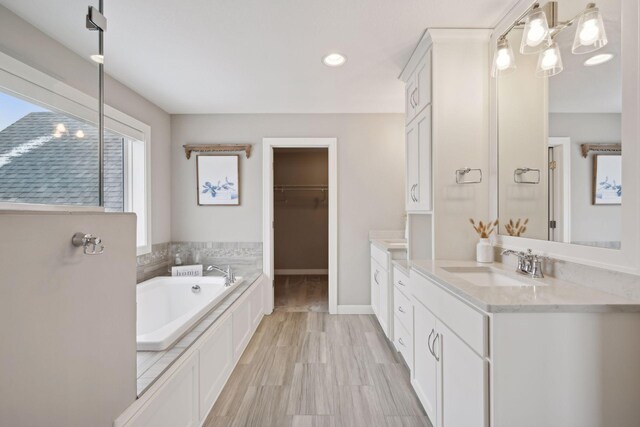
(300, 223)
(301, 229)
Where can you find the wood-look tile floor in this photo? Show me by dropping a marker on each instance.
(308, 368)
(302, 293)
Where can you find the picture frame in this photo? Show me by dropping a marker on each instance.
(218, 179)
(607, 179)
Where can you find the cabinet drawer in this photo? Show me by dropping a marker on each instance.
(402, 308)
(381, 256)
(468, 323)
(401, 281)
(403, 340)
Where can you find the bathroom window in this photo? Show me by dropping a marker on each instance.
(49, 150)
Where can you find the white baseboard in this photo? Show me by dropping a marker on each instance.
(301, 272)
(355, 309)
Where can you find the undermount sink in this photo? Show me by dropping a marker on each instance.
(486, 276)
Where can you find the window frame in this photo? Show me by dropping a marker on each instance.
(25, 82)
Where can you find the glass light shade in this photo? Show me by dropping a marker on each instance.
(535, 36)
(549, 61)
(590, 34)
(503, 59)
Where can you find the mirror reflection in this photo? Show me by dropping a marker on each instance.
(559, 85)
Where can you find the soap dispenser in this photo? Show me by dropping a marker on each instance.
(178, 260)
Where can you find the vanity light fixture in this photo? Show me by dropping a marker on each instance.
(549, 61)
(590, 35)
(503, 60)
(536, 35)
(540, 27)
(334, 60)
(598, 59)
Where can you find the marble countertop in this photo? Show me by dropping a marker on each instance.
(392, 244)
(152, 364)
(547, 294)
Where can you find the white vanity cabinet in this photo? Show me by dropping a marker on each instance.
(382, 285)
(450, 374)
(402, 316)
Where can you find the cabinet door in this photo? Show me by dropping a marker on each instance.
(216, 363)
(383, 304)
(423, 79)
(375, 286)
(423, 191)
(413, 166)
(241, 327)
(411, 94)
(425, 364)
(464, 376)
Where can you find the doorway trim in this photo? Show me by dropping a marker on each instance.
(565, 143)
(268, 144)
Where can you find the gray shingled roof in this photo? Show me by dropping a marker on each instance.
(36, 167)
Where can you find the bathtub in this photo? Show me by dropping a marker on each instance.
(168, 307)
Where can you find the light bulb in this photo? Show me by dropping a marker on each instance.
(57, 134)
(549, 59)
(80, 133)
(536, 33)
(589, 32)
(503, 60)
(60, 127)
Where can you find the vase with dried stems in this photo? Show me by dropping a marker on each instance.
(484, 249)
(517, 228)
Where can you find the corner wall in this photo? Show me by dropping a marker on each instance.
(370, 182)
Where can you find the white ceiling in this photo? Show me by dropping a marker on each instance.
(257, 56)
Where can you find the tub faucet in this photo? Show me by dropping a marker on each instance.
(229, 277)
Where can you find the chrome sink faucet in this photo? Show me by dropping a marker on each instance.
(528, 263)
(229, 276)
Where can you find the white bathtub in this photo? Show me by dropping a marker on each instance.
(168, 307)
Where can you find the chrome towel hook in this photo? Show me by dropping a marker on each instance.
(92, 245)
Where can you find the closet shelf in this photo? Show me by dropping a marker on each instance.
(300, 187)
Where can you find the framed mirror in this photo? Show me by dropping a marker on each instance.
(559, 135)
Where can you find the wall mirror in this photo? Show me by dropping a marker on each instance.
(559, 107)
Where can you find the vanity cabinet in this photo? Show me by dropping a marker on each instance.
(418, 88)
(382, 285)
(402, 316)
(450, 374)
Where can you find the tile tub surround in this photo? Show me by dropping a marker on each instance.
(162, 256)
(556, 296)
(612, 282)
(152, 364)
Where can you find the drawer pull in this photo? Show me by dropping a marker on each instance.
(375, 277)
(400, 283)
(401, 310)
(437, 338)
(401, 342)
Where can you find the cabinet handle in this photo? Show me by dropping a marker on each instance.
(375, 277)
(429, 343)
(417, 192)
(400, 283)
(401, 310)
(401, 342)
(437, 338)
(416, 102)
(411, 193)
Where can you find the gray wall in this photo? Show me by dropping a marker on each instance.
(26, 43)
(589, 223)
(370, 182)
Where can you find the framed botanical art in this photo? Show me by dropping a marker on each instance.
(218, 180)
(607, 179)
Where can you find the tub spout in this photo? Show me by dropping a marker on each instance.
(229, 277)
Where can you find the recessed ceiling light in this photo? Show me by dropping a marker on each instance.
(598, 59)
(97, 58)
(334, 60)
